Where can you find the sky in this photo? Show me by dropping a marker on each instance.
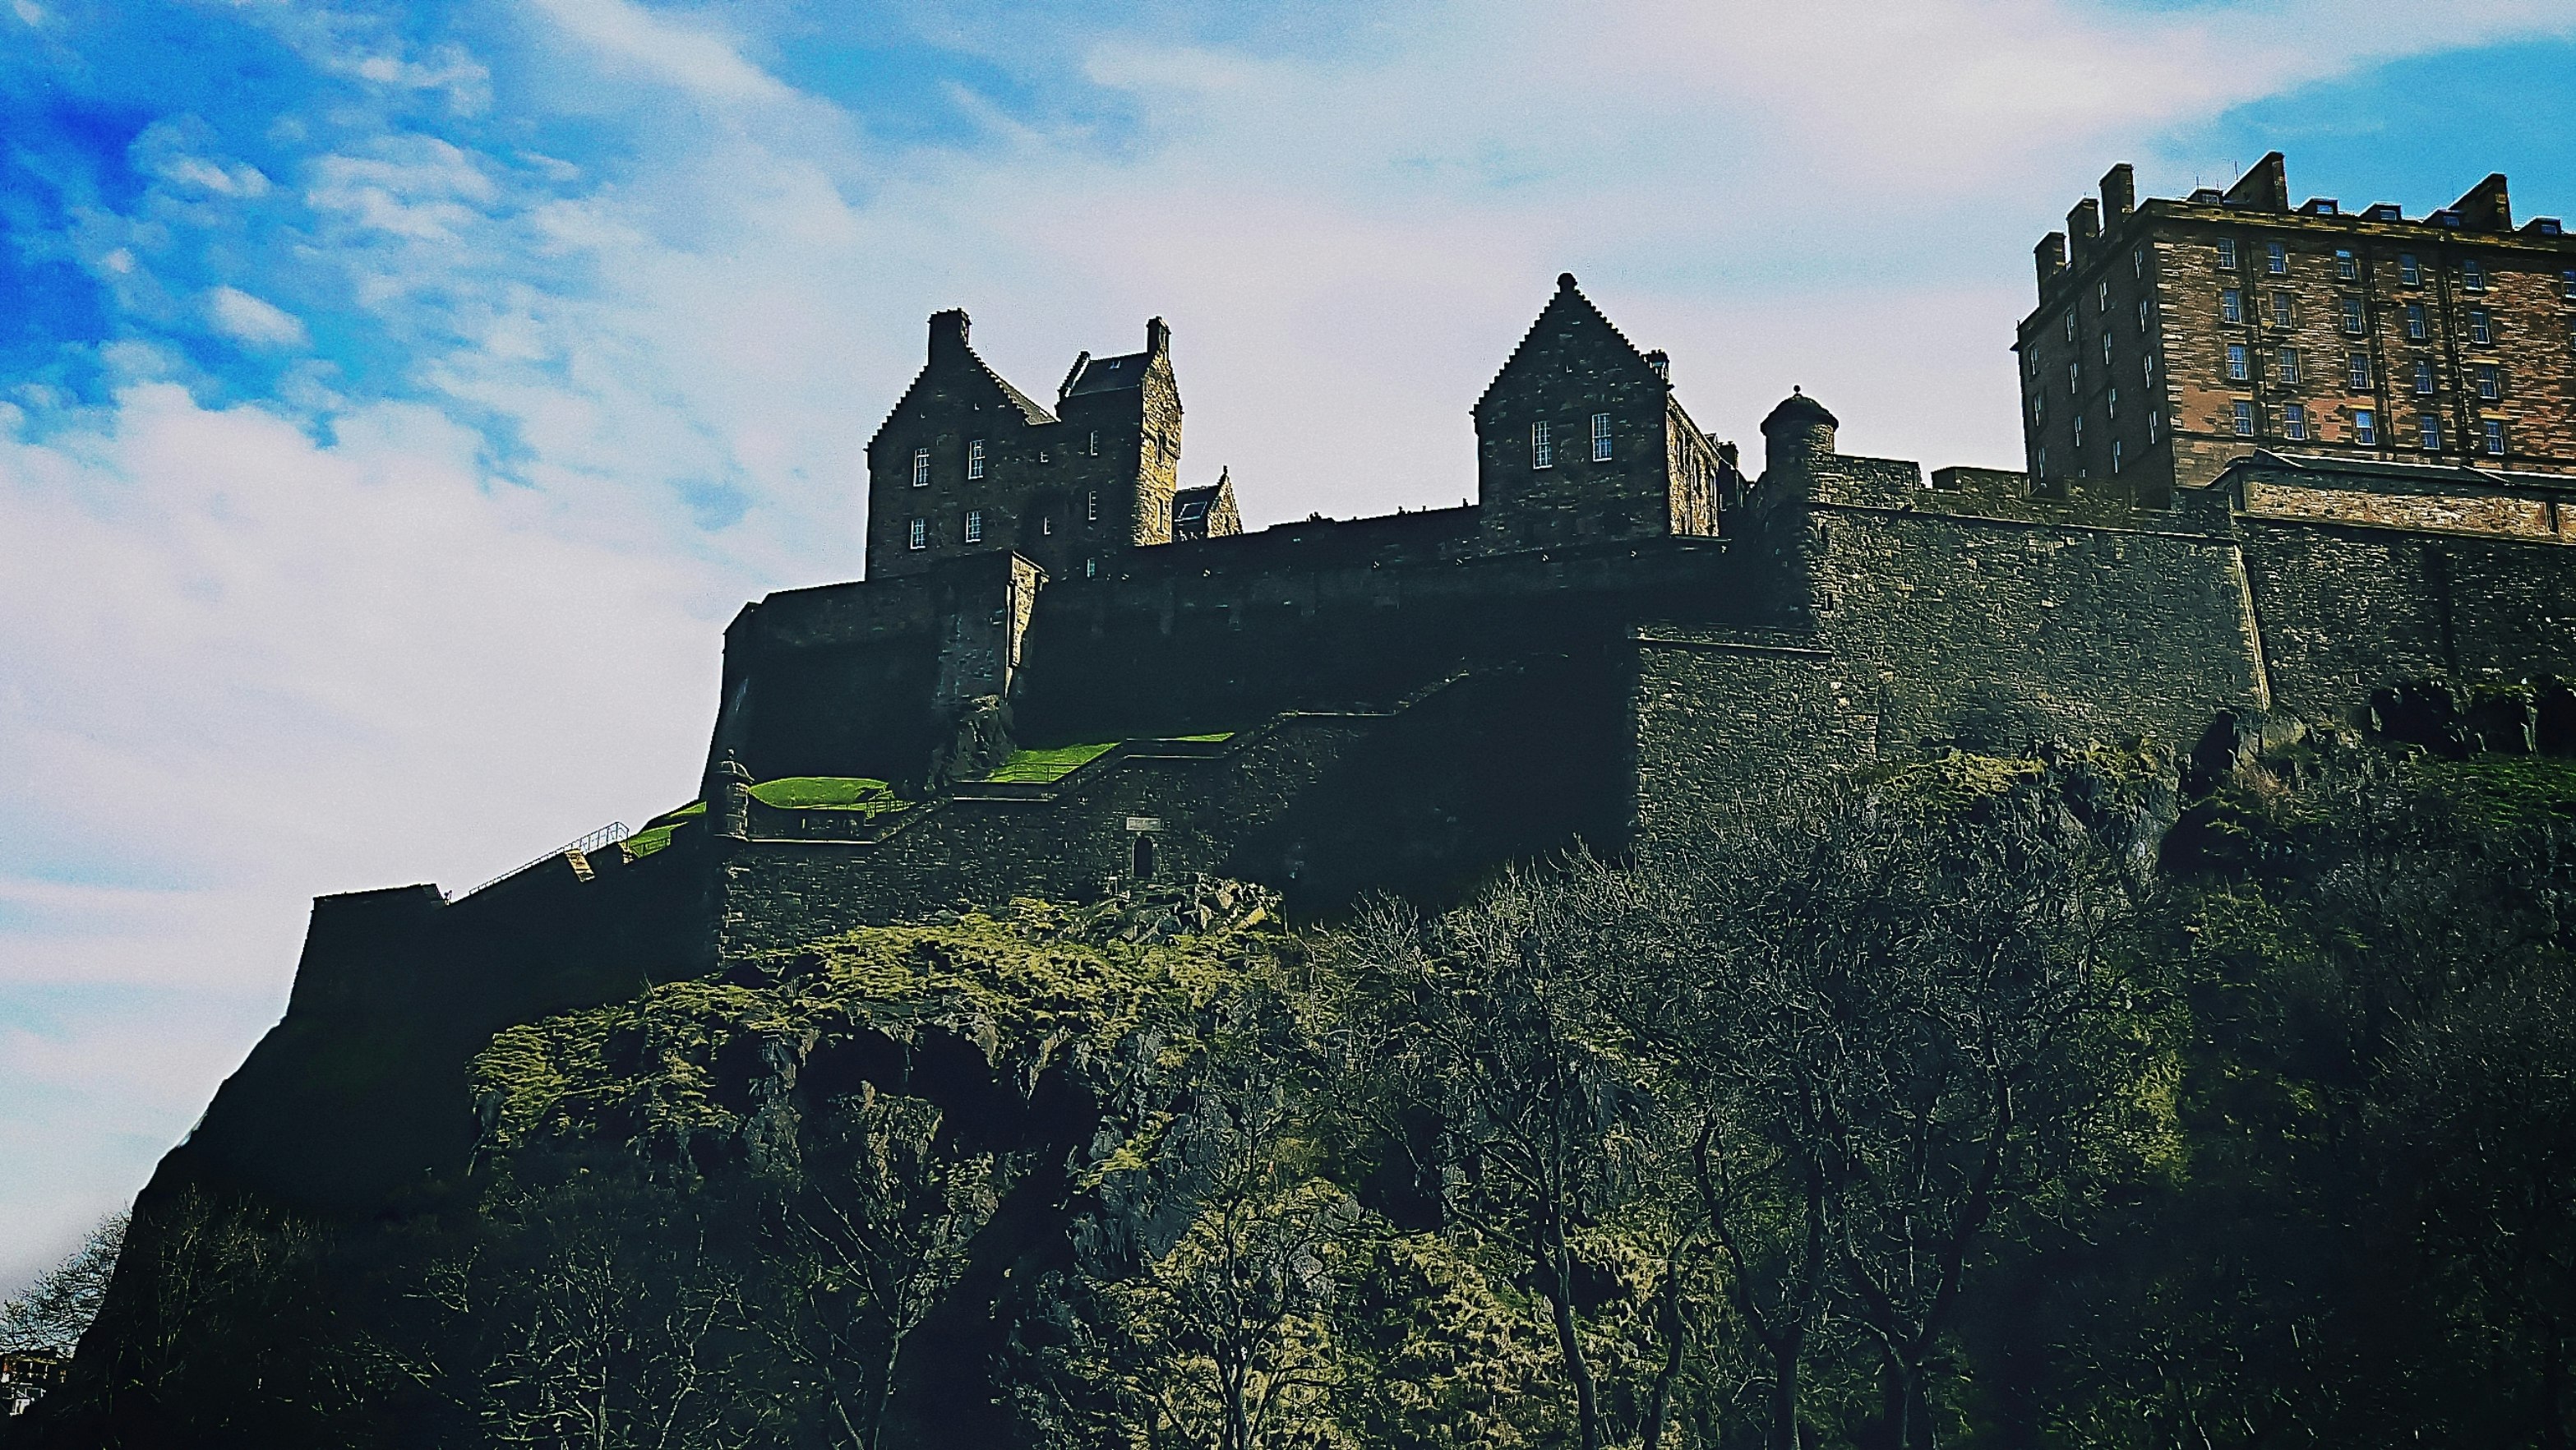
(397, 401)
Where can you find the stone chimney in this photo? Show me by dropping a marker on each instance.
(948, 335)
(2487, 207)
(1158, 337)
(2050, 255)
(2084, 224)
(2119, 193)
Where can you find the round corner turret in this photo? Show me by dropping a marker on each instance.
(1796, 436)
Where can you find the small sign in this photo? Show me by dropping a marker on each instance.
(1144, 823)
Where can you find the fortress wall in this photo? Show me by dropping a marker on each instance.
(1720, 720)
(1508, 763)
(2347, 609)
(1177, 650)
(1990, 633)
(360, 1094)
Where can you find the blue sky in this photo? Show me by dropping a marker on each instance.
(396, 401)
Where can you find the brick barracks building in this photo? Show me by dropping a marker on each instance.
(2176, 336)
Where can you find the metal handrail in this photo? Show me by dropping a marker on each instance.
(606, 835)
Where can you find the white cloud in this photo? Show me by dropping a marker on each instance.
(695, 61)
(237, 314)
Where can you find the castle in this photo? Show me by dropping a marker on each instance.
(1077, 673)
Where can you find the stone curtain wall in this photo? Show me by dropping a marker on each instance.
(2345, 610)
(1957, 627)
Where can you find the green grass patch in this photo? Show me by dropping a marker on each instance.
(657, 831)
(827, 793)
(2502, 791)
(1044, 767)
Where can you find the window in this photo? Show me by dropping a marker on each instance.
(2289, 365)
(2079, 430)
(2043, 463)
(2276, 259)
(2231, 306)
(2075, 379)
(975, 459)
(2357, 372)
(1600, 437)
(1542, 450)
(2479, 329)
(1193, 510)
(2365, 427)
(2280, 309)
(2070, 325)
(2151, 369)
(2113, 406)
(2294, 421)
(2142, 316)
(2038, 407)
(2106, 347)
(2352, 315)
(2115, 455)
(2345, 267)
(2236, 371)
(1095, 443)
(1046, 522)
(2102, 296)
(2227, 253)
(917, 534)
(1091, 507)
(2423, 377)
(2567, 283)
(2152, 427)
(2428, 430)
(2490, 382)
(2473, 277)
(2408, 273)
(2415, 321)
(2495, 437)
(974, 526)
(921, 468)
(2244, 418)
(2138, 268)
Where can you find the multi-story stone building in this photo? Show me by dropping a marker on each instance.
(2173, 337)
(968, 464)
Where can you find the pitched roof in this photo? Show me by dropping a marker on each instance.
(1108, 374)
(1568, 305)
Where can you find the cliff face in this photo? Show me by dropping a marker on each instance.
(2282, 1027)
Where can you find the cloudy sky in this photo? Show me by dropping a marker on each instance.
(396, 401)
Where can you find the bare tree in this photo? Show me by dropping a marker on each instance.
(51, 1313)
(1493, 1019)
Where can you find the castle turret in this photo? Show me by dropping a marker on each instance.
(1797, 438)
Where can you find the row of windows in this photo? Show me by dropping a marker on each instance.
(1543, 442)
(2482, 324)
(2365, 427)
(2410, 271)
(917, 533)
(974, 460)
(2489, 377)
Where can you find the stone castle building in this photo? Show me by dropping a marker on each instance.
(1074, 671)
(2173, 337)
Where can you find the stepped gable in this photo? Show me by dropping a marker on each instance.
(947, 329)
(1568, 309)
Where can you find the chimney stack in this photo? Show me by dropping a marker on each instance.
(2084, 224)
(2486, 208)
(948, 334)
(2050, 254)
(2119, 193)
(1158, 337)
